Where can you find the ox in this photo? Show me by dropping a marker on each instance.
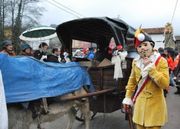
(23, 118)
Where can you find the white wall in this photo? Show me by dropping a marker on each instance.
(54, 42)
(158, 39)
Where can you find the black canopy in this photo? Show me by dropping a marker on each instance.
(98, 30)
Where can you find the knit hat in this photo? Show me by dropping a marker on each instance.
(6, 43)
(25, 46)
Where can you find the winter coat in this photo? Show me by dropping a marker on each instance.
(169, 41)
(54, 58)
(38, 54)
(150, 107)
(171, 63)
(12, 53)
(91, 55)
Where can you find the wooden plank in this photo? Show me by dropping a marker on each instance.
(87, 95)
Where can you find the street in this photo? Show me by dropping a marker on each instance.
(116, 120)
(173, 103)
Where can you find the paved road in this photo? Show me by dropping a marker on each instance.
(116, 120)
(173, 103)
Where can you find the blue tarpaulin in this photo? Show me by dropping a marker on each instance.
(26, 78)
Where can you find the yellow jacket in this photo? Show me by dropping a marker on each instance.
(150, 107)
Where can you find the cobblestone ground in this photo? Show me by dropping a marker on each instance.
(116, 120)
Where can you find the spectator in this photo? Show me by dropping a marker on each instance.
(8, 48)
(42, 52)
(66, 58)
(55, 56)
(26, 50)
(161, 52)
(171, 66)
(91, 54)
(177, 73)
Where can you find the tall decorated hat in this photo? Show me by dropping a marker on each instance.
(141, 36)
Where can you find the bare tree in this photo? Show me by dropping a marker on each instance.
(13, 6)
(2, 15)
(23, 13)
(1, 20)
(17, 27)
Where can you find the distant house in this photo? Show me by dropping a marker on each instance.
(157, 35)
(177, 43)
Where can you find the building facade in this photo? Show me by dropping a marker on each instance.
(177, 43)
(157, 35)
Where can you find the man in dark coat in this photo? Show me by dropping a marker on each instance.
(38, 54)
(56, 56)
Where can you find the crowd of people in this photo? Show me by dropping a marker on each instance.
(43, 54)
(172, 56)
(173, 61)
(88, 53)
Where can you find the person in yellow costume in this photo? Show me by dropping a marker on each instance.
(149, 76)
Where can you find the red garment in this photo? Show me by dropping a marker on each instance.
(109, 50)
(12, 53)
(176, 60)
(171, 63)
(119, 47)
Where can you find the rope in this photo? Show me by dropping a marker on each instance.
(174, 10)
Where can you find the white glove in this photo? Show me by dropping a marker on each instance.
(43, 57)
(127, 101)
(145, 71)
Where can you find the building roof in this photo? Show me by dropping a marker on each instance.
(159, 30)
(177, 37)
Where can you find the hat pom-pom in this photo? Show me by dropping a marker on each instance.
(140, 37)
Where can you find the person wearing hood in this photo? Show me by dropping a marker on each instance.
(7, 48)
(144, 91)
(26, 50)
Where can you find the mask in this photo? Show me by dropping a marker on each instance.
(145, 49)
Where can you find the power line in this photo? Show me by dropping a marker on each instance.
(174, 10)
(57, 2)
(62, 8)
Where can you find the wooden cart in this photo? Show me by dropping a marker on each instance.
(109, 93)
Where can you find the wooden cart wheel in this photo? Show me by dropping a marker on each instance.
(80, 117)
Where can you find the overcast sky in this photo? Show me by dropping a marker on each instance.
(149, 13)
